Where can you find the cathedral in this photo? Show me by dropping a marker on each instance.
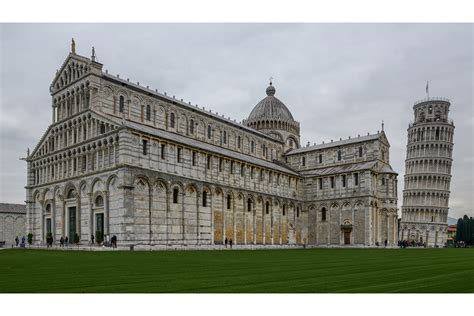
(123, 159)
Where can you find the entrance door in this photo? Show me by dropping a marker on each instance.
(72, 224)
(347, 238)
(99, 226)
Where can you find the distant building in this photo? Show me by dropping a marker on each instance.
(12, 222)
(122, 159)
(452, 233)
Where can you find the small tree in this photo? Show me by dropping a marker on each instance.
(30, 239)
(99, 237)
(76, 238)
(459, 230)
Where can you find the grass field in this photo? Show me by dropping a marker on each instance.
(260, 271)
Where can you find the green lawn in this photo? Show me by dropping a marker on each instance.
(262, 271)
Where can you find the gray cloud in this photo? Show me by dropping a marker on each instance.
(338, 80)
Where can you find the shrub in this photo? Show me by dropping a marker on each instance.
(30, 238)
(99, 237)
(76, 238)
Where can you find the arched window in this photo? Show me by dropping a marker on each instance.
(204, 198)
(323, 214)
(360, 151)
(148, 112)
(191, 126)
(297, 212)
(102, 130)
(99, 201)
(339, 155)
(238, 141)
(172, 120)
(121, 104)
(229, 201)
(225, 137)
(175, 195)
(48, 208)
(209, 131)
(303, 161)
(252, 146)
(267, 207)
(284, 210)
(249, 205)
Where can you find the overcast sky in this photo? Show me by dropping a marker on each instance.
(338, 80)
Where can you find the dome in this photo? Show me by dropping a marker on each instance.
(270, 108)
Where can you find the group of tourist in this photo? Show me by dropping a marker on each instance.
(63, 242)
(228, 241)
(107, 242)
(23, 241)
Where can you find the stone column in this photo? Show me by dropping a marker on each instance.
(245, 218)
(388, 226)
(271, 222)
(224, 217)
(53, 217)
(91, 215)
(54, 113)
(254, 216)
(234, 237)
(198, 233)
(78, 217)
(107, 212)
(183, 226)
(63, 224)
(212, 221)
(42, 221)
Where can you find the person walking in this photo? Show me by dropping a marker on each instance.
(92, 239)
(230, 243)
(66, 241)
(17, 240)
(61, 242)
(225, 242)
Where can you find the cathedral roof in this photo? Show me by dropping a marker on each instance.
(270, 108)
(12, 208)
(348, 141)
(199, 144)
(186, 105)
(352, 167)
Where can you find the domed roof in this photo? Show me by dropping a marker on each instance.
(270, 108)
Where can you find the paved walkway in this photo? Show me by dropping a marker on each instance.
(138, 247)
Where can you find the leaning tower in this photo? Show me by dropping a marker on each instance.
(428, 174)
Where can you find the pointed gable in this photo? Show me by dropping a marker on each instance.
(383, 138)
(47, 141)
(74, 68)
